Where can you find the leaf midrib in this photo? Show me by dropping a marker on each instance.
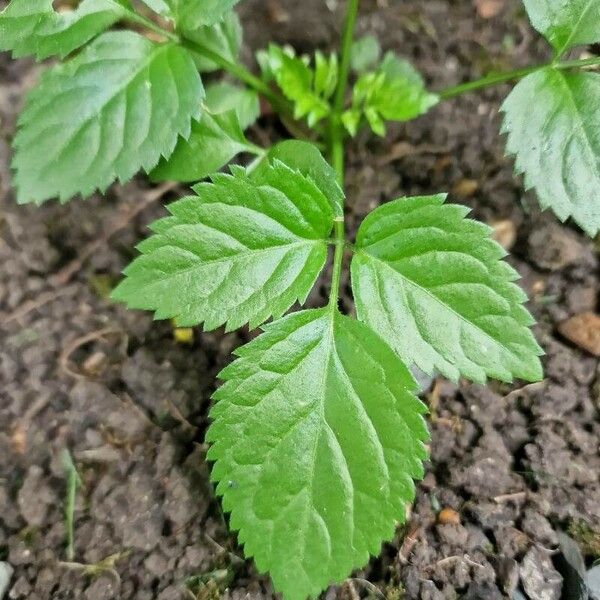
(231, 256)
(156, 50)
(366, 254)
(565, 46)
(579, 119)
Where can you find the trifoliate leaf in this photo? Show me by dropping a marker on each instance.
(317, 437)
(224, 38)
(33, 27)
(566, 23)
(240, 251)
(192, 14)
(433, 285)
(299, 83)
(305, 157)
(107, 113)
(366, 51)
(214, 141)
(395, 92)
(557, 146)
(222, 97)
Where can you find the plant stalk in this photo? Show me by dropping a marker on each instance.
(516, 74)
(339, 241)
(345, 55)
(336, 141)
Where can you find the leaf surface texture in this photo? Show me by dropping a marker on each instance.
(557, 145)
(114, 109)
(317, 437)
(240, 251)
(33, 27)
(566, 23)
(433, 285)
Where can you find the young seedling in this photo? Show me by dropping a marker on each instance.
(317, 433)
(73, 482)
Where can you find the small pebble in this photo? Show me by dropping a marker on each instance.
(448, 516)
(6, 572)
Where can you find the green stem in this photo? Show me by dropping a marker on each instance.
(337, 154)
(339, 241)
(496, 78)
(336, 141)
(279, 103)
(345, 54)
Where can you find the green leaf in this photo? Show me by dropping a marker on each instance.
(351, 120)
(33, 27)
(299, 83)
(214, 141)
(433, 285)
(395, 92)
(366, 52)
(305, 157)
(192, 14)
(240, 251)
(326, 74)
(557, 146)
(223, 38)
(317, 437)
(158, 6)
(403, 95)
(223, 97)
(566, 23)
(107, 113)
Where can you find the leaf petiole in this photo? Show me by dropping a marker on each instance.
(134, 17)
(279, 103)
(337, 144)
(339, 241)
(516, 74)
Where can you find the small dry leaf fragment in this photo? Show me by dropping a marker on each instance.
(465, 188)
(505, 233)
(487, 9)
(584, 331)
(94, 364)
(277, 14)
(18, 439)
(448, 516)
(183, 335)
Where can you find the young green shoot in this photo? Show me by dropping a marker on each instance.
(317, 432)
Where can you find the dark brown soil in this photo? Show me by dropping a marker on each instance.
(130, 404)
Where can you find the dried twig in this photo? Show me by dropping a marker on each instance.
(458, 557)
(408, 543)
(31, 305)
(120, 222)
(176, 414)
(65, 356)
(370, 587)
(530, 387)
(233, 558)
(349, 586)
(516, 497)
(404, 149)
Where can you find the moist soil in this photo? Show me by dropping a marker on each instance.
(511, 465)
